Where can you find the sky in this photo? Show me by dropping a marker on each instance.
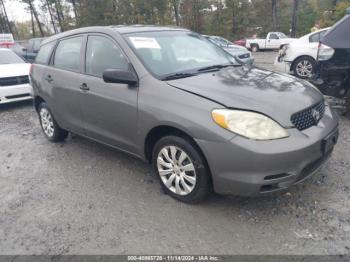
(16, 10)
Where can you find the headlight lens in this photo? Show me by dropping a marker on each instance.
(249, 124)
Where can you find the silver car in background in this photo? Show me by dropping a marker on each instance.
(240, 52)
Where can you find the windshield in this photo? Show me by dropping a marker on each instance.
(170, 52)
(281, 35)
(8, 57)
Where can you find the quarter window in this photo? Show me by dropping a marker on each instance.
(67, 54)
(102, 54)
(44, 53)
(315, 38)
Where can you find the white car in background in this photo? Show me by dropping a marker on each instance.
(14, 77)
(299, 57)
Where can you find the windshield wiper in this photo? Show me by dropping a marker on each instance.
(177, 76)
(214, 67)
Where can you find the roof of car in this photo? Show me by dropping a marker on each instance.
(125, 29)
(122, 29)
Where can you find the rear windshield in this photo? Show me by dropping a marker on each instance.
(9, 57)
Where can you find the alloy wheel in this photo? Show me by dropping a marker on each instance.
(176, 170)
(47, 122)
(304, 68)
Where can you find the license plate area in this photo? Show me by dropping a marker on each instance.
(329, 142)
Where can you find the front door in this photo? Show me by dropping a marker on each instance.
(273, 41)
(109, 110)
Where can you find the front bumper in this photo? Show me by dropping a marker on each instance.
(282, 66)
(249, 168)
(15, 93)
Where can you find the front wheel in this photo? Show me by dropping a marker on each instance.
(181, 169)
(49, 126)
(304, 67)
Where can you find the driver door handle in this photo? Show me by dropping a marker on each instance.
(84, 87)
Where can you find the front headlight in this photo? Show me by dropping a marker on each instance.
(249, 124)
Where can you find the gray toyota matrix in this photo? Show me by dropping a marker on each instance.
(169, 96)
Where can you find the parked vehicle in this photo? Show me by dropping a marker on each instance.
(6, 40)
(170, 97)
(241, 42)
(299, 57)
(273, 40)
(31, 50)
(333, 69)
(14, 79)
(240, 52)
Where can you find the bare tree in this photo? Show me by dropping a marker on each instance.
(32, 20)
(51, 16)
(7, 22)
(59, 14)
(274, 14)
(295, 17)
(176, 11)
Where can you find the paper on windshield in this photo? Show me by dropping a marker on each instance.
(144, 42)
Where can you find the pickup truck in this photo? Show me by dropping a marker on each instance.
(274, 40)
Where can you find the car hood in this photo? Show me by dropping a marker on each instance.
(250, 88)
(8, 70)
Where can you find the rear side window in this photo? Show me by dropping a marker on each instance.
(44, 53)
(67, 55)
(102, 54)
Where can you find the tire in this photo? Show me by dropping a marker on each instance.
(49, 125)
(189, 180)
(347, 103)
(255, 48)
(304, 67)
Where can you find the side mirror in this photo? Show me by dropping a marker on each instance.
(24, 49)
(119, 77)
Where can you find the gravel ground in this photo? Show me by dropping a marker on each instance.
(80, 197)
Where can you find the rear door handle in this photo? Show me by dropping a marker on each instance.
(84, 87)
(49, 78)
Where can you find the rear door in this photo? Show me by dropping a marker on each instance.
(64, 78)
(109, 109)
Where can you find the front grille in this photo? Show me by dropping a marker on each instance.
(308, 117)
(15, 80)
(244, 56)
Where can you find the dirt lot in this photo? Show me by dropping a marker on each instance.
(80, 197)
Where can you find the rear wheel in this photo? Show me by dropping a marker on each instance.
(181, 169)
(255, 48)
(304, 67)
(49, 126)
(347, 103)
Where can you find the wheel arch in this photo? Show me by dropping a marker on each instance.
(37, 101)
(160, 131)
(301, 56)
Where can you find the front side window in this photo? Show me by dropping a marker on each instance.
(102, 54)
(169, 52)
(67, 55)
(273, 36)
(44, 53)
